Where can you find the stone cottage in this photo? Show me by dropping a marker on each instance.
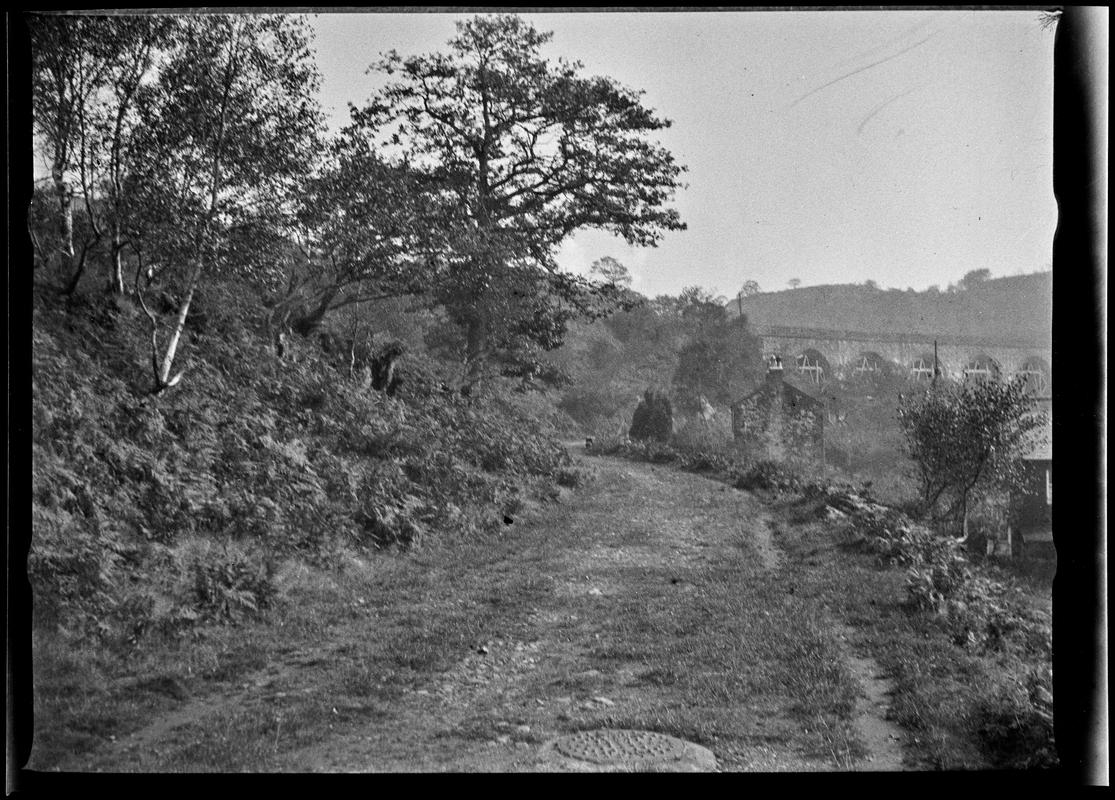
(778, 420)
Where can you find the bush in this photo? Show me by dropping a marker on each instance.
(75, 557)
(986, 615)
(570, 478)
(1017, 722)
(981, 613)
(697, 437)
(653, 418)
(227, 583)
(772, 475)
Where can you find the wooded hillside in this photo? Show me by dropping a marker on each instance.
(1018, 307)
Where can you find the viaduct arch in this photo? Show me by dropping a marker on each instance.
(819, 354)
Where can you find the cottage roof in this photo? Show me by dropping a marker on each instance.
(791, 392)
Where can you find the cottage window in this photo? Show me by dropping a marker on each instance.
(1049, 487)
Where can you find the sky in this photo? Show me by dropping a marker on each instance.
(903, 147)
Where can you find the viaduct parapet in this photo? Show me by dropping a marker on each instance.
(818, 353)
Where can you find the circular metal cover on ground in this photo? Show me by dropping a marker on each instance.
(613, 746)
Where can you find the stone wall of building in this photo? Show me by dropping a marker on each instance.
(778, 422)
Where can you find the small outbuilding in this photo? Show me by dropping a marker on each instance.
(1031, 506)
(779, 420)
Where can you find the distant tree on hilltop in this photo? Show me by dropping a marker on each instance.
(612, 271)
(974, 278)
(749, 288)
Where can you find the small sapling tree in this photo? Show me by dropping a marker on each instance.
(965, 440)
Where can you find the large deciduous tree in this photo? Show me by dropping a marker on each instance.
(368, 230)
(529, 152)
(965, 439)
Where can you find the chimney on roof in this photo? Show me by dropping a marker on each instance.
(774, 370)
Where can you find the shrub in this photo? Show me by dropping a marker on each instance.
(75, 555)
(72, 570)
(653, 419)
(226, 583)
(981, 613)
(985, 615)
(697, 437)
(1016, 722)
(570, 478)
(773, 475)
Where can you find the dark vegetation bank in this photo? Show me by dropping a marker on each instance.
(161, 513)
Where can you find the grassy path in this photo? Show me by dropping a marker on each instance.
(648, 599)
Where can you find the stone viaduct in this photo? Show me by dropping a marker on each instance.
(819, 353)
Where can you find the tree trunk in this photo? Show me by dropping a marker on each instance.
(309, 321)
(964, 518)
(352, 344)
(162, 378)
(476, 342)
(66, 223)
(116, 282)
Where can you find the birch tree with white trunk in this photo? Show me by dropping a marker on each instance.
(230, 132)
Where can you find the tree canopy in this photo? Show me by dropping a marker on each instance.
(749, 288)
(974, 278)
(526, 152)
(611, 270)
(966, 439)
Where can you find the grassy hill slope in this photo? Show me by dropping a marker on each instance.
(1019, 307)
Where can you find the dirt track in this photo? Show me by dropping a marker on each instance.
(631, 567)
(638, 517)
